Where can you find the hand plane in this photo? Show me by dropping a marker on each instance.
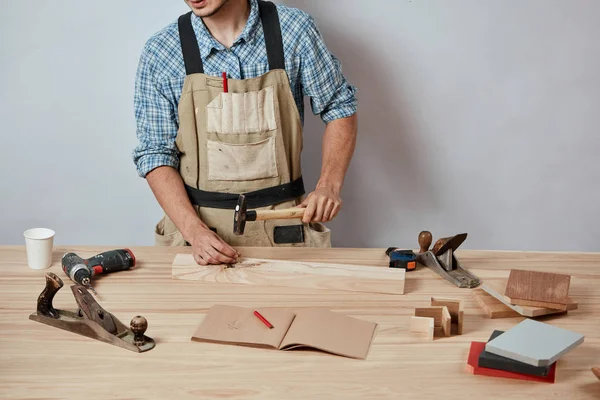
(90, 319)
(442, 261)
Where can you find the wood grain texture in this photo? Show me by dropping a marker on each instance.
(497, 286)
(492, 306)
(264, 272)
(540, 289)
(40, 362)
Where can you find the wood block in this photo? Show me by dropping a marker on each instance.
(473, 366)
(332, 276)
(441, 318)
(596, 371)
(531, 303)
(446, 321)
(546, 289)
(456, 310)
(492, 306)
(496, 288)
(534, 343)
(422, 325)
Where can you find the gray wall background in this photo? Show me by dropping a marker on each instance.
(475, 116)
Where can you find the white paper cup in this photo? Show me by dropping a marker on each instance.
(39, 243)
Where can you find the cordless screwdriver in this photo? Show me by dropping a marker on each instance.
(82, 270)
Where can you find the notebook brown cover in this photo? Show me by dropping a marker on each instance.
(309, 328)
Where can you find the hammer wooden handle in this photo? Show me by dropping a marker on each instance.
(288, 213)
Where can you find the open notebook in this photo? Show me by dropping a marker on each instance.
(313, 328)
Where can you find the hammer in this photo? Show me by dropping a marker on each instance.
(241, 215)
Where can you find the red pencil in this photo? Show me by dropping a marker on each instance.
(267, 323)
(225, 89)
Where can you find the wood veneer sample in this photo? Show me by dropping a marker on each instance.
(538, 289)
(496, 288)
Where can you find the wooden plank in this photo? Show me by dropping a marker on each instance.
(422, 325)
(497, 286)
(332, 276)
(456, 310)
(493, 307)
(538, 288)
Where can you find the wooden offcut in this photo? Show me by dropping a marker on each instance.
(456, 310)
(538, 289)
(493, 307)
(304, 274)
(424, 325)
(441, 318)
(496, 288)
(532, 303)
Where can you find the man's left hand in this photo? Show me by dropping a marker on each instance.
(322, 205)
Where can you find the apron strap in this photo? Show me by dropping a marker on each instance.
(256, 199)
(189, 46)
(272, 29)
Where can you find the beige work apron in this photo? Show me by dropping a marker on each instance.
(247, 139)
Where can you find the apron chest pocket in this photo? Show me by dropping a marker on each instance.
(241, 162)
(242, 113)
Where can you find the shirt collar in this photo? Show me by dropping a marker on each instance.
(207, 42)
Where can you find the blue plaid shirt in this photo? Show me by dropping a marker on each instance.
(312, 70)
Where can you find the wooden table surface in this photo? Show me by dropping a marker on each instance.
(41, 362)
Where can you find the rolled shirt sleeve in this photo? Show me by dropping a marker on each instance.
(156, 118)
(330, 94)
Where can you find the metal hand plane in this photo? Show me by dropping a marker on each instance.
(90, 319)
(442, 261)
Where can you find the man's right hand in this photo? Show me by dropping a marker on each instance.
(208, 248)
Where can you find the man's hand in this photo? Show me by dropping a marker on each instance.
(208, 248)
(339, 141)
(322, 205)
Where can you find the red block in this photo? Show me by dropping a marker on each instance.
(472, 364)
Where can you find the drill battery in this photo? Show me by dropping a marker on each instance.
(406, 259)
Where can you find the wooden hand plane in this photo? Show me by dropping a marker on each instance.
(442, 261)
(90, 320)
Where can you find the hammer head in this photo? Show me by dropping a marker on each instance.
(239, 216)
